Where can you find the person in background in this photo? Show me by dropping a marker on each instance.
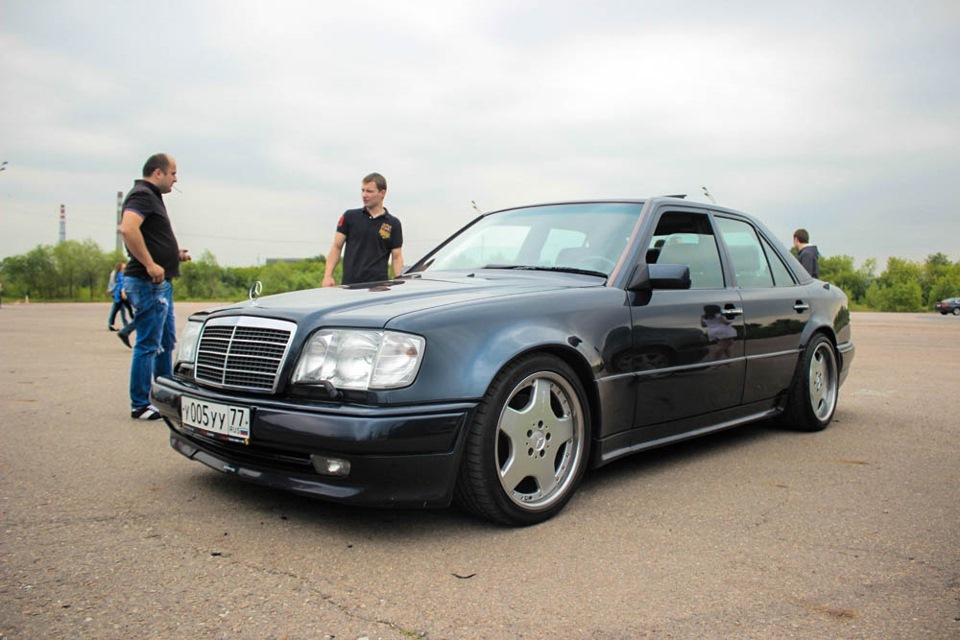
(807, 253)
(372, 237)
(120, 302)
(155, 258)
(112, 280)
(121, 293)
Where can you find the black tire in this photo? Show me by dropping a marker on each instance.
(528, 444)
(956, 311)
(815, 387)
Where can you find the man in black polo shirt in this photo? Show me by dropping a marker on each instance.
(372, 237)
(155, 259)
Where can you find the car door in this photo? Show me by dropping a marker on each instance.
(775, 308)
(687, 348)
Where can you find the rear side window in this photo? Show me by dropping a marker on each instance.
(781, 274)
(746, 253)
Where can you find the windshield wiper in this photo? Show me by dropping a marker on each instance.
(528, 267)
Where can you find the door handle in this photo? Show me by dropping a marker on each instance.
(799, 306)
(732, 311)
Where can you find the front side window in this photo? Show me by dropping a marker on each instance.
(687, 238)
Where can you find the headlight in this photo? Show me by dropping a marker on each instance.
(187, 347)
(360, 359)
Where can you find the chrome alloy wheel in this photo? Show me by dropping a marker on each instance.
(540, 440)
(824, 382)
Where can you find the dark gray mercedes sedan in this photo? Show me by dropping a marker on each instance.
(533, 344)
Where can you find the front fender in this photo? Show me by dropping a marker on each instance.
(468, 345)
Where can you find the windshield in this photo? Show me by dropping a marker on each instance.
(579, 237)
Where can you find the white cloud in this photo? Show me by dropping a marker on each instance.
(819, 115)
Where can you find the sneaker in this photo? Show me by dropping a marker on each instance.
(112, 328)
(148, 412)
(124, 338)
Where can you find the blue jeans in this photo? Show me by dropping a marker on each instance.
(156, 336)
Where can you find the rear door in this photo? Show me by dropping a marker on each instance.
(775, 309)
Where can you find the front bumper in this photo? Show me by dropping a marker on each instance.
(399, 456)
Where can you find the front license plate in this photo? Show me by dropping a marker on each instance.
(225, 419)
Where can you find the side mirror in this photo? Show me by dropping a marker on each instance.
(660, 276)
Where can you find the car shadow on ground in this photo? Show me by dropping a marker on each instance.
(659, 459)
(278, 506)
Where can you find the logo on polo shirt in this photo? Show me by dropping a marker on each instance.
(385, 230)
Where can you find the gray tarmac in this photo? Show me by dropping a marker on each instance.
(753, 533)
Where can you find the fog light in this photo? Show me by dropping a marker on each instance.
(330, 466)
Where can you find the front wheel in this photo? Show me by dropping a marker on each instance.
(815, 387)
(956, 311)
(527, 446)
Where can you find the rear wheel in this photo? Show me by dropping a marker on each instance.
(956, 311)
(527, 447)
(815, 387)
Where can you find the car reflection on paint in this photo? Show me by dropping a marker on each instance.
(535, 343)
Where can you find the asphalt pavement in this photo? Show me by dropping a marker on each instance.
(753, 533)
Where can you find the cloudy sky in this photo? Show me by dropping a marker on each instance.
(841, 117)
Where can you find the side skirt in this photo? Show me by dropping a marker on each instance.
(660, 435)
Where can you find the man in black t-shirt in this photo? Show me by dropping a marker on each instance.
(372, 237)
(155, 259)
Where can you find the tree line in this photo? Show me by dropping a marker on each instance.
(80, 271)
(904, 285)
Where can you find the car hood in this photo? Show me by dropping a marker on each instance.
(374, 305)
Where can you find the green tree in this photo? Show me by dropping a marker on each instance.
(79, 269)
(94, 266)
(31, 274)
(941, 278)
(239, 280)
(278, 278)
(202, 278)
(66, 259)
(898, 287)
(839, 271)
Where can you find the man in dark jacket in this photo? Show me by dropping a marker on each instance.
(155, 259)
(807, 253)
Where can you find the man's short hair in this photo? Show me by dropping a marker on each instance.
(802, 236)
(156, 161)
(377, 179)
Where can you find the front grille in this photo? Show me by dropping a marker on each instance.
(238, 352)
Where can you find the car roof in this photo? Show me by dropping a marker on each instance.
(679, 200)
